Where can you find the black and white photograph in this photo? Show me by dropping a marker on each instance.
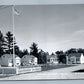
(41, 42)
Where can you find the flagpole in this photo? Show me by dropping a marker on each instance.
(13, 37)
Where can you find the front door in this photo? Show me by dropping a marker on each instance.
(10, 62)
(73, 60)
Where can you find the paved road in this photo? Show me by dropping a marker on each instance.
(62, 73)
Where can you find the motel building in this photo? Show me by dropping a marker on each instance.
(6, 60)
(75, 58)
(28, 60)
(52, 59)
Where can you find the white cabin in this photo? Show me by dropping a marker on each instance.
(29, 60)
(7, 60)
(52, 59)
(75, 58)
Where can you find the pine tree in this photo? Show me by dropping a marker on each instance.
(34, 50)
(42, 57)
(9, 42)
(25, 52)
(1, 44)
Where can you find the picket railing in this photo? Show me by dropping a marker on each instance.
(19, 70)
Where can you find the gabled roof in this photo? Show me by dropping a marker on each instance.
(29, 56)
(75, 54)
(49, 56)
(9, 55)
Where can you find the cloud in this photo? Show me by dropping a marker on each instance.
(79, 32)
(77, 35)
(67, 41)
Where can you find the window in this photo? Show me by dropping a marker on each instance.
(10, 61)
(48, 60)
(55, 59)
(69, 59)
(32, 60)
(17, 63)
(51, 59)
(77, 59)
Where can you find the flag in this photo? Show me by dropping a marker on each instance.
(16, 12)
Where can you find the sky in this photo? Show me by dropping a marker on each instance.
(26, 2)
(52, 27)
(6, 19)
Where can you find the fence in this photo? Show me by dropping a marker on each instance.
(16, 70)
(27, 70)
(8, 70)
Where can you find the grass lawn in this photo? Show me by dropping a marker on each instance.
(49, 67)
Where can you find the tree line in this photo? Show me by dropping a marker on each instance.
(7, 42)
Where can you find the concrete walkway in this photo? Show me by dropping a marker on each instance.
(62, 73)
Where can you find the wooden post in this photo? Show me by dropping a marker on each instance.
(66, 59)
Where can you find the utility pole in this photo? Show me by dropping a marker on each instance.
(13, 18)
(14, 12)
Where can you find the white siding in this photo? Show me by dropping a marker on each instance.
(17, 61)
(52, 60)
(35, 61)
(82, 59)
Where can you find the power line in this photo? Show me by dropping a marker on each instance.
(4, 6)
